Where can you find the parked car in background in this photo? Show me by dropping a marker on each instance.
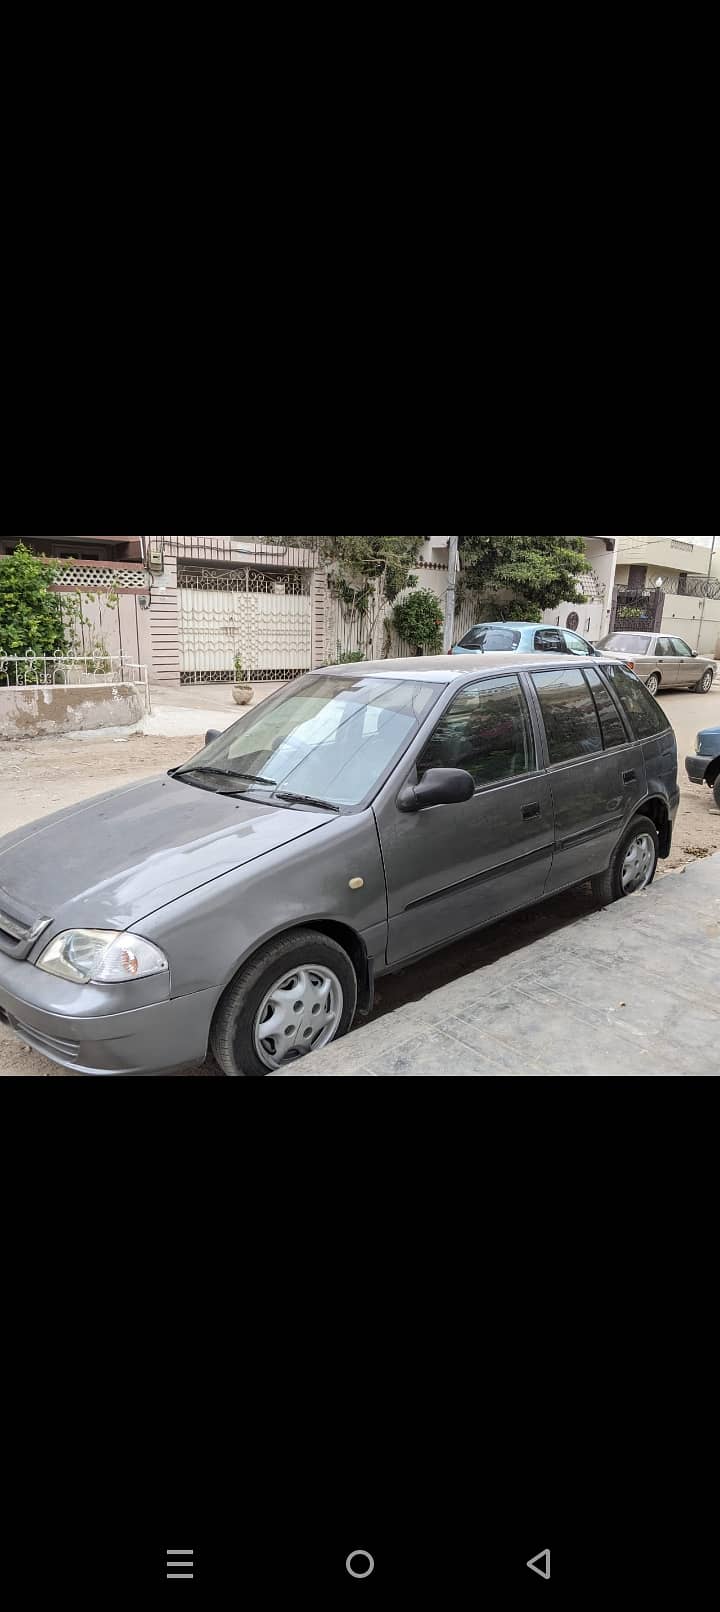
(704, 766)
(527, 637)
(356, 820)
(661, 662)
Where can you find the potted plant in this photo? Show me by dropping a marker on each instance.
(242, 689)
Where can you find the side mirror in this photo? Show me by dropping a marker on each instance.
(440, 786)
(212, 733)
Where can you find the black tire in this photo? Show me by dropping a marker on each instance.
(608, 886)
(653, 683)
(232, 1036)
(716, 791)
(705, 683)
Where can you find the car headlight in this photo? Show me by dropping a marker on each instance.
(698, 744)
(105, 956)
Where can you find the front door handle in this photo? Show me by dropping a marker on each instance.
(630, 777)
(533, 810)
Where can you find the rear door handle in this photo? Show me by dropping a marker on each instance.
(630, 777)
(533, 810)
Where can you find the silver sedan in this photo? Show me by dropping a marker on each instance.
(660, 661)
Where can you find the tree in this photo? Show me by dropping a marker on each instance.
(387, 561)
(367, 574)
(536, 572)
(31, 621)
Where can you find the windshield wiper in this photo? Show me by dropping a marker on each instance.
(306, 800)
(227, 772)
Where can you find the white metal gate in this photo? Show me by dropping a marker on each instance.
(262, 618)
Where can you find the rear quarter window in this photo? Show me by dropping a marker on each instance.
(645, 716)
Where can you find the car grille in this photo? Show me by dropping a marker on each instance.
(18, 933)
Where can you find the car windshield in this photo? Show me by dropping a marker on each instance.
(489, 638)
(627, 643)
(328, 740)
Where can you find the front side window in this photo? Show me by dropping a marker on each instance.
(571, 720)
(681, 648)
(487, 732)
(331, 738)
(576, 645)
(646, 717)
(491, 638)
(550, 639)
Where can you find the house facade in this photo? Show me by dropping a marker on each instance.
(679, 577)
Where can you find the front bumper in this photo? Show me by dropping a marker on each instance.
(696, 768)
(158, 1038)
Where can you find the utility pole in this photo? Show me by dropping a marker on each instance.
(449, 633)
(702, 611)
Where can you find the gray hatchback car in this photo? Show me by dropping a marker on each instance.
(356, 820)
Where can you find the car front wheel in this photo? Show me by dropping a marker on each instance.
(716, 791)
(633, 865)
(297, 995)
(705, 683)
(653, 683)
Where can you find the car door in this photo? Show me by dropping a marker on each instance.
(667, 662)
(596, 773)
(452, 868)
(688, 670)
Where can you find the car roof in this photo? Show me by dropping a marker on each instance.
(519, 626)
(454, 669)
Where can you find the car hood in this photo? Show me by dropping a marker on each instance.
(112, 860)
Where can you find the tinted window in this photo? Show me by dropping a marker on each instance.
(665, 646)
(576, 645)
(571, 721)
(628, 643)
(613, 731)
(549, 638)
(646, 716)
(681, 647)
(488, 638)
(486, 730)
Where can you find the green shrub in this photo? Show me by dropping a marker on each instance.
(31, 621)
(418, 620)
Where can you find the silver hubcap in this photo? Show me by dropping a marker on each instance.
(707, 680)
(301, 1013)
(637, 869)
(653, 685)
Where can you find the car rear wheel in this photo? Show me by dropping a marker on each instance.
(297, 995)
(705, 683)
(653, 683)
(633, 865)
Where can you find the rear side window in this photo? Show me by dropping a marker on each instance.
(489, 638)
(645, 715)
(613, 731)
(571, 720)
(549, 638)
(486, 731)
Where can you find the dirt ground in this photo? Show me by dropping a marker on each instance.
(41, 776)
